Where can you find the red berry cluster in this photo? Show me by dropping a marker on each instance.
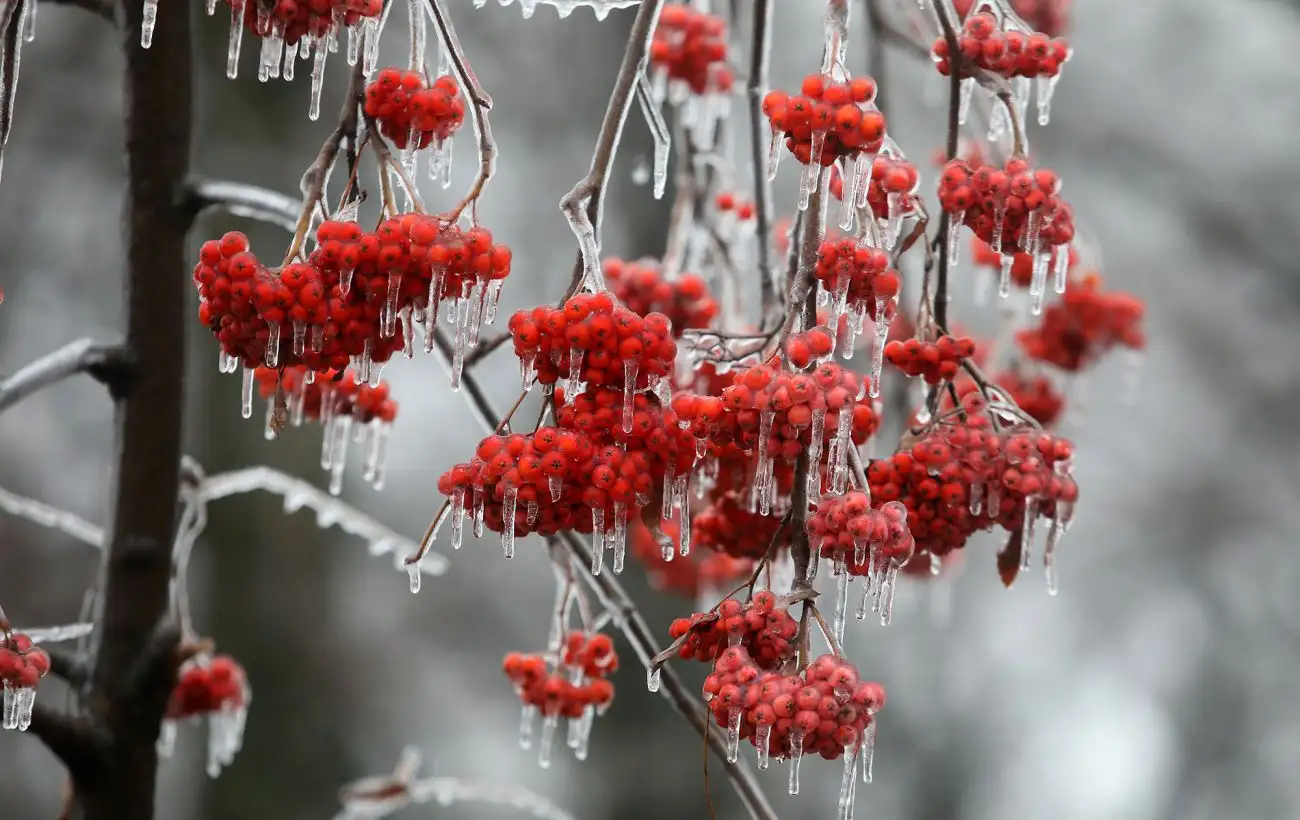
(859, 276)
(411, 112)
(703, 572)
(344, 302)
(826, 710)
(293, 20)
(573, 685)
(1008, 53)
(593, 339)
(936, 361)
(1086, 323)
(803, 349)
(729, 526)
(847, 530)
(328, 396)
(762, 628)
(641, 425)
(691, 47)
(892, 191)
(1036, 395)
(827, 119)
(22, 663)
(1021, 270)
(1052, 17)
(966, 474)
(643, 289)
(729, 203)
(218, 686)
(1015, 207)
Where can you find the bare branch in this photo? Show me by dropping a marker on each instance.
(103, 9)
(760, 58)
(248, 201)
(486, 347)
(108, 364)
(76, 741)
(584, 205)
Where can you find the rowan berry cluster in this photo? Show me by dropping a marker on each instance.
(571, 683)
(935, 362)
(892, 189)
(827, 119)
(728, 525)
(1084, 325)
(846, 529)
(291, 21)
(703, 572)
(1018, 268)
(1006, 52)
(22, 666)
(690, 48)
(825, 710)
(1052, 17)
(969, 473)
(810, 346)
(762, 627)
(741, 209)
(643, 289)
(411, 112)
(218, 686)
(860, 277)
(1036, 395)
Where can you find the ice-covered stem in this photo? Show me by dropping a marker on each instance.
(487, 345)
(950, 150)
(52, 517)
(313, 181)
(103, 9)
(109, 364)
(247, 201)
(802, 300)
(479, 105)
(628, 618)
(827, 632)
(583, 206)
(446, 791)
(384, 155)
(759, 59)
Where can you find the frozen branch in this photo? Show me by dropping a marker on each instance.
(954, 118)
(760, 58)
(57, 634)
(108, 364)
(76, 741)
(480, 105)
(247, 201)
(51, 517)
(329, 510)
(584, 205)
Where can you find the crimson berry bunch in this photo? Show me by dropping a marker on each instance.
(1006, 52)
(217, 689)
(1018, 268)
(641, 425)
(762, 627)
(741, 209)
(891, 190)
(805, 348)
(643, 289)
(826, 710)
(412, 113)
(22, 666)
(569, 684)
(863, 542)
(1037, 395)
(728, 525)
(936, 362)
(1085, 324)
(291, 21)
(690, 49)
(1052, 17)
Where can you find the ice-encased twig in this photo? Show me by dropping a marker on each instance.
(654, 118)
(248, 201)
(330, 511)
(57, 634)
(52, 517)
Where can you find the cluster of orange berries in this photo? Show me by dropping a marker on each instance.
(1008, 53)
(827, 119)
(936, 362)
(1085, 324)
(690, 47)
(292, 21)
(762, 627)
(1052, 17)
(22, 666)
(643, 289)
(892, 189)
(218, 686)
(412, 113)
(728, 525)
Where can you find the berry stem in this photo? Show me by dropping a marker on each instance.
(825, 630)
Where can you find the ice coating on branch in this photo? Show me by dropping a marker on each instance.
(601, 8)
(654, 118)
(147, 22)
(51, 517)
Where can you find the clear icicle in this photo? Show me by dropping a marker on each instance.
(658, 130)
(299, 337)
(246, 395)
(1046, 90)
(811, 171)
(290, 58)
(764, 466)
(869, 751)
(236, 37)
(272, 355)
(458, 344)
(796, 756)
(669, 482)
(733, 734)
(1054, 534)
(413, 572)
(774, 153)
(840, 445)
(841, 600)
(547, 741)
(457, 518)
(597, 539)
(1004, 275)
(1027, 522)
(847, 782)
(955, 220)
(527, 716)
(338, 462)
(480, 505)
(166, 738)
(317, 79)
(684, 524)
(629, 388)
(492, 300)
(1061, 267)
(888, 589)
(620, 536)
(151, 17)
(509, 504)
(555, 484)
(878, 347)
(967, 93)
(763, 741)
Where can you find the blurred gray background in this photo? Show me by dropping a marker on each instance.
(1158, 684)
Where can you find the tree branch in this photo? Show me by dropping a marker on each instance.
(954, 117)
(248, 201)
(770, 287)
(107, 364)
(590, 190)
(75, 741)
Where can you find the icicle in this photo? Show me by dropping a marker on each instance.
(1004, 277)
(290, 57)
(869, 751)
(878, 347)
(847, 781)
(151, 16)
(457, 517)
(1054, 534)
(444, 162)
(379, 455)
(236, 37)
(774, 153)
(888, 589)
(272, 354)
(764, 466)
(955, 220)
(509, 502)
(388, 324)
(547, 741)
(492, 300)
(653, 677)
(339, 460)
(658, 130)
(247, 393)
(1046, 90)
(317, 79)
(575, 375)
(967, 93)
(976, 497)
(1061, 265)
(629, 388)
(555, 484)
(269, 433)
(526, 717)
(458, 345)
(299, 338)
(841, 599)
(532, 512)
(211, 7)
(733, 734)
(480, 506)
(670, 481)
(811, 171)
(840, 445)
(763, 742)
(584, 733)
(413, 572)
(1027, 521)
(620, 536)
(477, 300)
(166, 738)
(684, 524)
(597, 539)
(796, 755)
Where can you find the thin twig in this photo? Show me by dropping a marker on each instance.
(487, 345)
(247, 201)
(583, 206)
(109, 364)
(760, 59)
(480, 105)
